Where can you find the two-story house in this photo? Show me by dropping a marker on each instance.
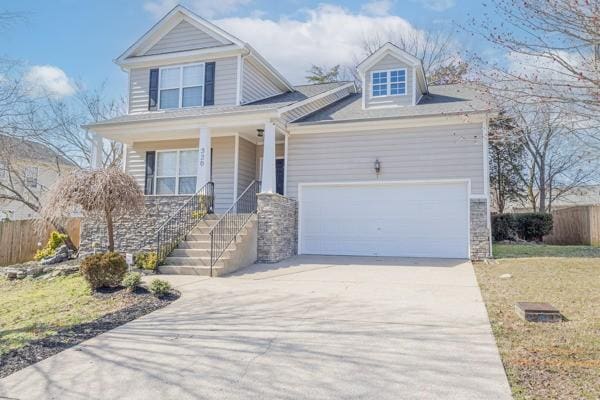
(397, 168)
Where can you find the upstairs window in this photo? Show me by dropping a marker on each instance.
(31, 177)
(389, 83)
(181, 86)
(3, 170)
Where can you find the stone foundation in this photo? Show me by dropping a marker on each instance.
(277, 227)
(133, 233)
(480, 233)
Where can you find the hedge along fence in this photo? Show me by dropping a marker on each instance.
(576, 226)
(19, 239)
(525, 226)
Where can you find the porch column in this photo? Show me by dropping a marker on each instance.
(268, 167)
(96, 151)
(204, 158)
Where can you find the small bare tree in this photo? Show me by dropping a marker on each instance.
(106, 193)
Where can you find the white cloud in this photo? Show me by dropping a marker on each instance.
(204, 8)
(327, 36)
(377, 7)
(48, 79)
(437, 5)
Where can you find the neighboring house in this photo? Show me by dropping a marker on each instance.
(584, 195)
(399, 169)
(27, 169)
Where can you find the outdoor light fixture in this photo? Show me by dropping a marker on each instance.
(260, 132)
(377, 166)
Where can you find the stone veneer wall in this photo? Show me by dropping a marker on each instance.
(277, 227)
(480, 233)
(133, 233)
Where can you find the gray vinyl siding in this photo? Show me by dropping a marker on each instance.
(222, 171)
(387, 63)
(246, 164)
(256, 85)
(183, 36)
(429, 153)
(225, 85)
(223, 164)
(313, 106)
(279, 153)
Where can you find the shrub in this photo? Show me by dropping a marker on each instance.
(54, 242)
(533, 226)
(132, 280)
(146, 260)
(503, 227)
(527, 226)
(159, 288)
(103, 270)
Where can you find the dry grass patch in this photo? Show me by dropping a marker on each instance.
(545, 360)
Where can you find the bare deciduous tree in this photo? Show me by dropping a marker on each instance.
(105, 193)
(553, 49)
(319, 74)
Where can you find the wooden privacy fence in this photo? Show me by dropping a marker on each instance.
(575, 225)
(19, 239)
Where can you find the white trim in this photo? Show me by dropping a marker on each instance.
(466, 181)
(208, 53)
(385, 123)
(388, 83)
(177, 177)
(236, 164)
(285, 164)
(125, 153)
(240, 70)
(313, 98)
(477, 197)
(364, 91)
(181, 87)
(169, 21)
(384, 50)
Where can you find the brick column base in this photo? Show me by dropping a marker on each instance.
(480, 233)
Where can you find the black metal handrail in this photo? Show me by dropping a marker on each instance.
(231, 223)
(174, 229)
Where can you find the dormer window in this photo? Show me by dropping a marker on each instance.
(181, 86)
(389, 83)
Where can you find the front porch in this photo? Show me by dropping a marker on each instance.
(179, 162)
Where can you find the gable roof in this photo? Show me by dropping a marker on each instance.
(395, 51)
(178, 14)
(23, 149)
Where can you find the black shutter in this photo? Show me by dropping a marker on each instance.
(150, 162)
(209, 84)
(153, 90)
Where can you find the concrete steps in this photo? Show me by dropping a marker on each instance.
(192, 256)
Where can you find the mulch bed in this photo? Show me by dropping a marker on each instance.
(138, 303)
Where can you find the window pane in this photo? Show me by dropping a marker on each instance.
(379, 77)
(398, 88)
(192, 96)
(166, 163)
(379, 90)
(169, 98)
(193, 75)
(187, 185)
(397, 76)
(169, 78)
(188, 163)
(165, 185)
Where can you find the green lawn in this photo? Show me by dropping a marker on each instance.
(547, 360)
(33, 309)
(543, 250)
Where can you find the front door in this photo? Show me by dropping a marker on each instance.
(279, 173)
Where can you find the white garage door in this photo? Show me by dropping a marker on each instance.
(395, 219)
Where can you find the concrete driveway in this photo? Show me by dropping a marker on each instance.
(313, 327)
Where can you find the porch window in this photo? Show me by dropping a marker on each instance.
(31, 177)
(181, 86)
(176, 171)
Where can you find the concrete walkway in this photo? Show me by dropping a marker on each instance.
(308, 328)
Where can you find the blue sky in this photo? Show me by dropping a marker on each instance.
(81, 38)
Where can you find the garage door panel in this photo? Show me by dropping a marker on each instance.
(417, 220)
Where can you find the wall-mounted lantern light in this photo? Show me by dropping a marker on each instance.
(377, 166)
(260, 132)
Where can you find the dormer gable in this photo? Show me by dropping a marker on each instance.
(391, 77)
